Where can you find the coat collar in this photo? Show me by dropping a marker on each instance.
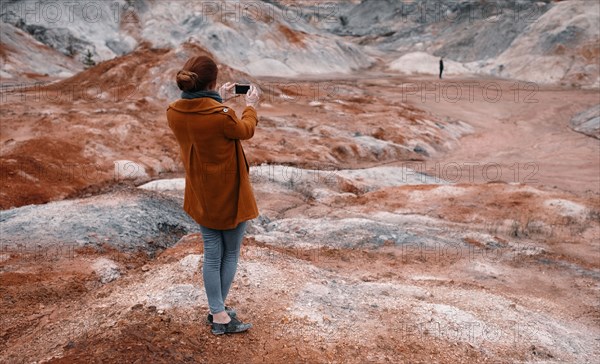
(203, 105)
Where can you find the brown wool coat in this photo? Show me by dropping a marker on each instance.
(218, 193)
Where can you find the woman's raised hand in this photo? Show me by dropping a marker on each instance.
(227, 91)
(253, 96)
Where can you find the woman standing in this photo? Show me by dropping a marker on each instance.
(218, 194)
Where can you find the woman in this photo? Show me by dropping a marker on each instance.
(218, 194)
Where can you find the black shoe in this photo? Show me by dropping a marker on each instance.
(232, 327)
(230, 311)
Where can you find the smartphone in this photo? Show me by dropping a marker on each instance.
(241, 89)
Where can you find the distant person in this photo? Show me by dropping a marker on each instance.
(218, 193)
(441, 67)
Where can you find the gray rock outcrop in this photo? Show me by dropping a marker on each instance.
(588, 122)
(129, 220)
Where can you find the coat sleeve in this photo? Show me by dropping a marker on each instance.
(241, 128)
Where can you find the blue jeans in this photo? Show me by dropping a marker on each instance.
(221, 253)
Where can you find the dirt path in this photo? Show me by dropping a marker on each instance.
(526, 132)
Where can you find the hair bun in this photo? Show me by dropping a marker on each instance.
(186, 80)
(198, 74)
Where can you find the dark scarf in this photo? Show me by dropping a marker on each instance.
(197, 94)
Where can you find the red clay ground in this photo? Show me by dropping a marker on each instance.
(319, 305)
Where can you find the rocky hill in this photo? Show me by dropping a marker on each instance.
(551, 42)
(251, 39)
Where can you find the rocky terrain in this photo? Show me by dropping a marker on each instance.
(403, 218)
(545, 41)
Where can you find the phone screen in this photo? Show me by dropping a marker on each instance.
(241, 89)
